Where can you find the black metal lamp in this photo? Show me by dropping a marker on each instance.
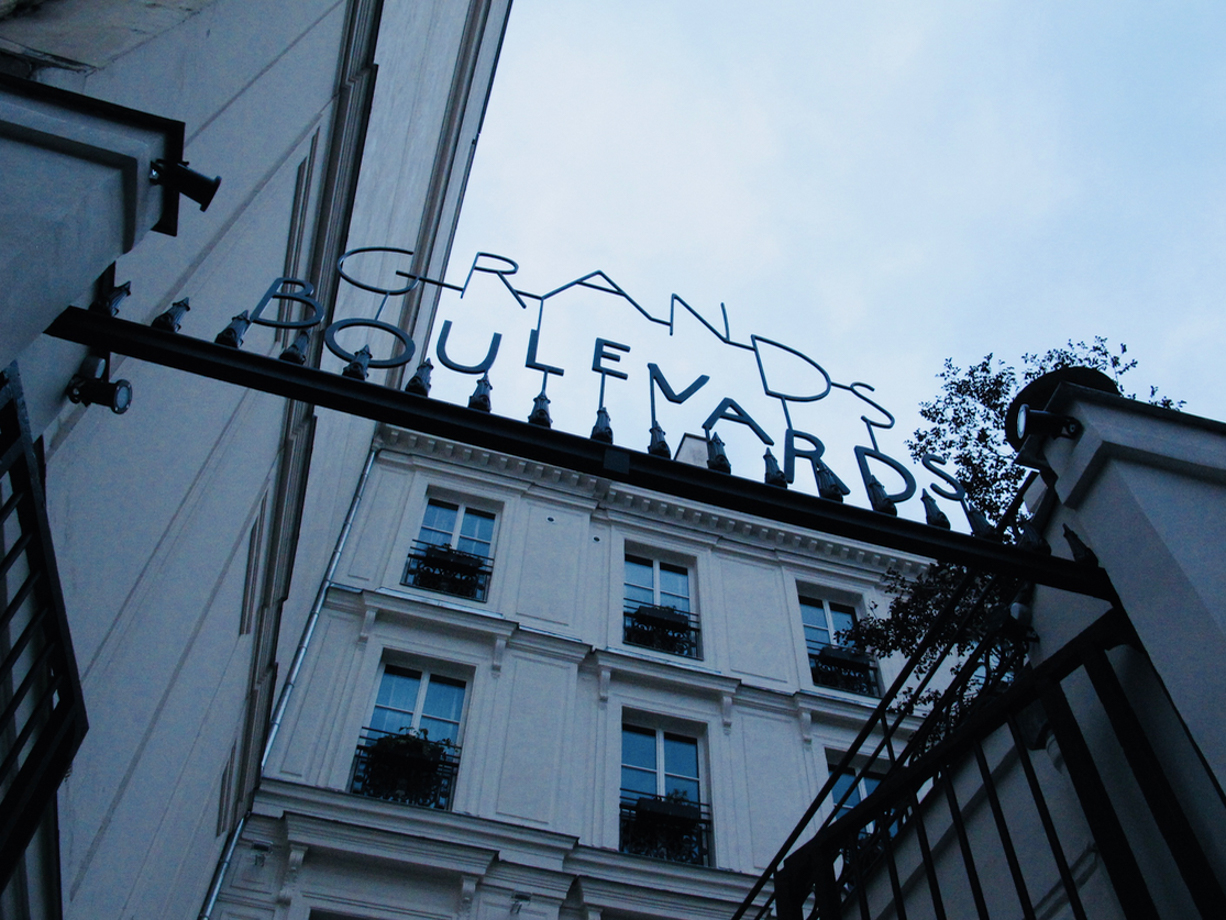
(178, 178)
(480, 400)
(1045, 424)
(172, 318)
(774, 476)
(602, 431)
(233, 334)
(296, 353)
(717, 459)
(91, 385)
(658, 446)
(419, 383)
(359, 367)
(540, 411)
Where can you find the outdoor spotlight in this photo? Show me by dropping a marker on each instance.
(233, 334)
(933, 515)
(172, 318)
(108, 301)
(602, 431)
(359, 367)
(178, 178)
(1045, 424)
(419, 383)
(716, 458)
(658, 446)
(774, 476)
(540, 411)
(91, 385)
(480, 400)
(297, 351)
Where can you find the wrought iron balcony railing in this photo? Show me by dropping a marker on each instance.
(438, 567)
(845, 669)
(407, 768)
(42, 714)
(664, 827)
(665, 629)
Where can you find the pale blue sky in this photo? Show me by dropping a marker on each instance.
(881, 185)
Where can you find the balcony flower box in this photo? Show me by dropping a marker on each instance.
(661, 618)
(461, 563)
(669, 809)
(849, 658)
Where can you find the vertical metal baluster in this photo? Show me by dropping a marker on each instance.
(968, 858)
(900, 909)
(1122, 867)
(1049, 827)
(921, 836)
(1006, 840)
(1169, 815)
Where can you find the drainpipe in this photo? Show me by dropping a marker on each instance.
(299, 656)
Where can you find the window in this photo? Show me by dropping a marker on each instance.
(410, 752)
(656, 611)
(845, 784)
(831, 662)
(662, 814)
(453, 553)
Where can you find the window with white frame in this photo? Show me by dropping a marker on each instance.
(657, 611)
(834, 662)
(453, 552)
(410, 752)
(662, 813)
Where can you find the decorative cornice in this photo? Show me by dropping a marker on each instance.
(628, 503)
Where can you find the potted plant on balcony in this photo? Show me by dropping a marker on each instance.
(404, 766)
(675, 807)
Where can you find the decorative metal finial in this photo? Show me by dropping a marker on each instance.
(540, 411)
(716, 458)
(932, 514)
(602, 431)
(658, 446)
(172, 318)
(480, 400)
(879, 499)
(419, 383)
(1081, 552)
(828, 485)
(359, 367)
(774, 476)
(233, 334)
(297, 351)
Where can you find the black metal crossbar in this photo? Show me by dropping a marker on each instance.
(583, 455)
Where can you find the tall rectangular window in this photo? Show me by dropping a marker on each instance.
(453, 552)
(410, 751)
(662, 814)
(832, 661)
(656, 609)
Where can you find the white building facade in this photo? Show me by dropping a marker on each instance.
(192, 531)
(632, 699)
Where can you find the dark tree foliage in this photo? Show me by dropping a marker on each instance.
(967, 428)
(967, 418)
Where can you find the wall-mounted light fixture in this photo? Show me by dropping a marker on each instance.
(172, 318)
(178, 178)
(1045, 424)
(92, 384)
